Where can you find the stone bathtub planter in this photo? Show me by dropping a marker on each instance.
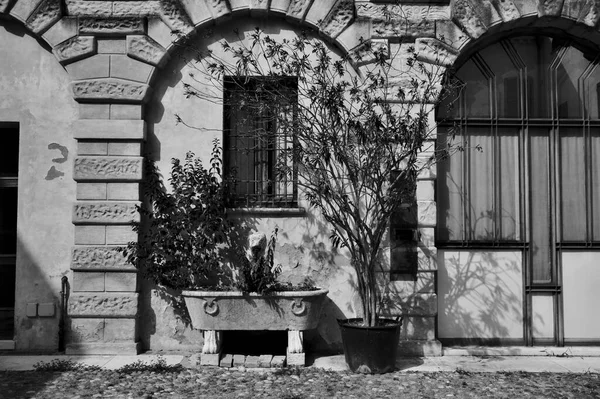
(215, 311)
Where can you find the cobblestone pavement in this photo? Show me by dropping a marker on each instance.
(210, 382)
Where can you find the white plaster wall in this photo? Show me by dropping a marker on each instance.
(303, 245)
(35, 92)
(480, 294)
(581, 279)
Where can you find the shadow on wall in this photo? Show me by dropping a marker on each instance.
(480, 295)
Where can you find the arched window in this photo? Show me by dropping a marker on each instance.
(524, 173)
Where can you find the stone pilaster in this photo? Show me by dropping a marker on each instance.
(111, 63)
(108, 169)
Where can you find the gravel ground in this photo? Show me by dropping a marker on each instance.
(209, 382)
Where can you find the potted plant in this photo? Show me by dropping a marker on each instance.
(360, 126)
(189, 245)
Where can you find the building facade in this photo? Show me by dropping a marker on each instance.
(506, 233)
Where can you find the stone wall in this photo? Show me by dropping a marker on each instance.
(116, 53)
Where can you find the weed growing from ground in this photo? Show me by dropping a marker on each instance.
(157, 366)
(63, 365)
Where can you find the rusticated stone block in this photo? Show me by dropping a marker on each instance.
(435, 51)
(279, 6)
(589, 14)
(172, 13)
(465, 16)
(106, 212)
(112, 26)
(319, 10)
(160, 32)
(75, 48)
(86, 330)
(402, 28)
(298, 8)
(238, 360)
(449, 33)
(4, 5)
(109, 89)
(370, 10)
(47, 13)
(118, 330)
(365, 52)
(103, 305)
(135, 8)
(22, 9)
(108, 168)
(197, 11)
(98, 258)
(143, 48)
(551, 8)
(507, 9)
(218, 8)
(90, 8)
(339, 18)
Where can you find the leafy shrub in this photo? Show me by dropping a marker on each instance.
(186, 229)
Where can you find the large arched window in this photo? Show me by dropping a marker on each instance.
(525, 169)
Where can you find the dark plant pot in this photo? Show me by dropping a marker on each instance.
(370, 350)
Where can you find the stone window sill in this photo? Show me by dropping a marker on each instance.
(281, 212)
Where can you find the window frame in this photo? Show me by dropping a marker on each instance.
(271, 201)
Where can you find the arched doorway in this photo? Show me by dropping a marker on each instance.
(518, 203)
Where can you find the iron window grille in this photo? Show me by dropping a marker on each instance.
(259, 116)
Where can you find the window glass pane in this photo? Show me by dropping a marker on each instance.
(450, 196)
(9, 161)
(572, 184)
(481, 184)
(8, 220)
(594, 218)
(475, 102)
(568, 71)
(7, 285)
(539, 190)
(592, 92)
(506, 75)
(537, 54)
(508, 168)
